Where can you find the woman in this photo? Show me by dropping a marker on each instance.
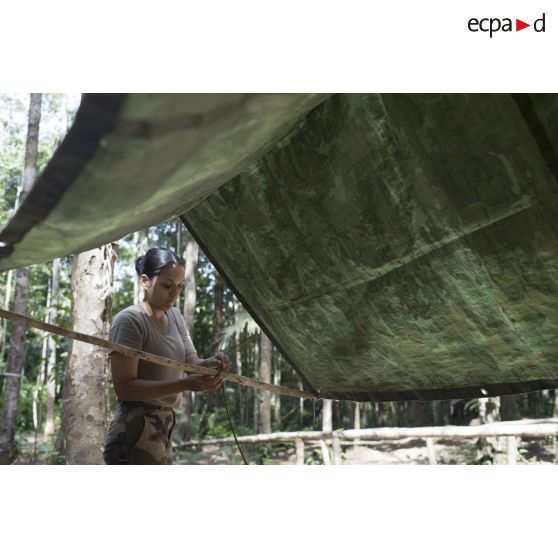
(141, 430)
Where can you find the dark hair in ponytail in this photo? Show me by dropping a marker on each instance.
(157, 259)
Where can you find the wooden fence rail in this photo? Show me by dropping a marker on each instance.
(535, 428)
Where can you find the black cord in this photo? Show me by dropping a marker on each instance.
(232, 427)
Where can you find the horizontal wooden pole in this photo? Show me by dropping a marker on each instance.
(128, 351)
(510, 428)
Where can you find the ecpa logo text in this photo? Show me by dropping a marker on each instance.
(494, 24)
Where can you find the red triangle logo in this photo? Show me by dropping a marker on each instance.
(519, 25)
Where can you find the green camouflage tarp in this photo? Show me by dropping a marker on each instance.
(402, 246)
(132, 161)
(393, 246)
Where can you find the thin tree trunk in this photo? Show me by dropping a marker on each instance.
(51, 346)
(380, 413)
(265, 376)
(7, 300)
(356, 425)
(327, 426)
(60, 443)
(255, 398)
(16, 356)
(218, 323)
(436, 412)
(49, 377)
(87, 373)
(179, 240)
(508, 408)
(356, 415)
(327, 415)
(301, 407)
(276, 399)
(244, 341)
(364, 411)
(489, 411)
(191, 259)
(239, 370)
(40, 381)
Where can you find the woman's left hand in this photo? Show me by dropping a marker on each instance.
(225, 362)
(220, 361)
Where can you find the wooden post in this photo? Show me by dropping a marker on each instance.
(325, 453)
(512, 450)
(299, 445)
(336, 447)
(431, 451)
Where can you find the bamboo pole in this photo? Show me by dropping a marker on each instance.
(336, 451)
(536, 429)
(325, 453)
(512, 450)
(431, 451)
(128, 351)
(299, 445)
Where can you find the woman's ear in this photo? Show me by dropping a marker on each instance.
(145, 281)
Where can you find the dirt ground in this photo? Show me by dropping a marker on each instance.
(534, 451)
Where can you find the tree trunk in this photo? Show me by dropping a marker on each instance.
(436, 412)
(356, 424)
(327, 415)
(57, 456)
(489, 411)
(60, 443)
(218, 322)
(51, 349)
(6, 306)
(191, 259)
(265, 376)
(239, 371)
(87, 419)
(301, 407)
(275, 397)
(255, 396)
(16, 355)
(327, 426)
(40, 381)
(509, 410)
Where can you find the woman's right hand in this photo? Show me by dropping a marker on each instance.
(201, 382)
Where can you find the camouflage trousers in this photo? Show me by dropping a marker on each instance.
(140, 434)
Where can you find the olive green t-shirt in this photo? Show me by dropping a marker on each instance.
(133, 328)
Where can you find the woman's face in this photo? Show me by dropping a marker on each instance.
(161, 291)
